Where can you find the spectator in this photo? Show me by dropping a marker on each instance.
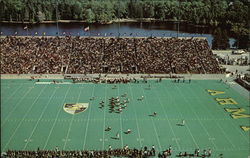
(40, 55)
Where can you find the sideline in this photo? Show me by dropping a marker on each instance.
(137, 76)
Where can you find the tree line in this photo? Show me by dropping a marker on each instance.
(232, 14)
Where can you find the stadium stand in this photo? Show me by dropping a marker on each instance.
(78, 55)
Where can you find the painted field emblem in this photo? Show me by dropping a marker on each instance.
(75, 108)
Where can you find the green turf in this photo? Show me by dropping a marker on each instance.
(32, 116)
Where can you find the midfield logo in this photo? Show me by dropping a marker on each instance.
(75, 108)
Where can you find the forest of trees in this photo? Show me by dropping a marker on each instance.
(231, 14)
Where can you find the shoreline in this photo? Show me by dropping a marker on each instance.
(106, 23)
(38, 36)
(83, 21)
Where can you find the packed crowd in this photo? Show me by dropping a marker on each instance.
(77, 55)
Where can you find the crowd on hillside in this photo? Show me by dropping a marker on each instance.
(246, 77)
(243, 80)
(77, 55)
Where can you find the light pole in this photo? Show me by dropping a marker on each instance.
(119, 18)
(178, 22)
(151, 22)
(57, 18)
(27, 32)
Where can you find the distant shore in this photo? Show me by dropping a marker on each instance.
(105, 37)
(83, 21)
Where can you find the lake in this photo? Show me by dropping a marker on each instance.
(143, 29)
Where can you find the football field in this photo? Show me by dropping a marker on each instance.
(216, 116)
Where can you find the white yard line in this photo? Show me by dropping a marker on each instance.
(225, 114)
(120, 122)
(13, 93)
(72, 118)
(226, 136)
(87, 126)
(139, 134)
(104, 116)
(59, 109)
(19, 101)
(23, 119)
(39, 120)
(169, 122)
(197, 146)
(157, 136)
(14, 83)
(198, 117)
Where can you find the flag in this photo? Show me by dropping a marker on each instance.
(86, 29)
(25, 27)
